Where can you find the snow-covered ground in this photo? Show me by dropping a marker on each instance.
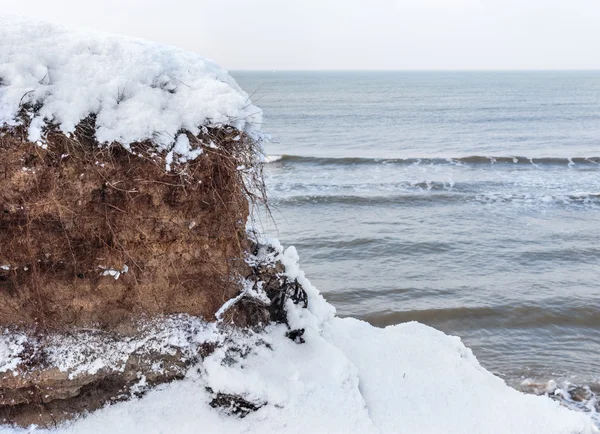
(348, 377)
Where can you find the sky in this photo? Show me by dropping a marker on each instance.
(350, 34)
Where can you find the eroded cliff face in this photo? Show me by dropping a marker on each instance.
(113, 258)
(98, 236)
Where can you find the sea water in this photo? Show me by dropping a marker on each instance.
(468, 201)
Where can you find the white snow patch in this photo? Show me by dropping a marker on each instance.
(249, 289)
(90, 351)
(11, 346)
(141, 385)
(112, 272)
(137, 89)
(183, 151)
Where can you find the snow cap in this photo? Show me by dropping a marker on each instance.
(138, 90)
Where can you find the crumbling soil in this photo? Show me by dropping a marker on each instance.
(47, 396)
(74, 214)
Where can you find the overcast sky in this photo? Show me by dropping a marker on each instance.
(350, 34)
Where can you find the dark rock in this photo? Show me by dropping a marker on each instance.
(580, 394)
(296, 335)
(234, 404)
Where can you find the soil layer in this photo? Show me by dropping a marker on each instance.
(99, 235)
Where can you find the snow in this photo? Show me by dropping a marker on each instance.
(11, 346)
(348, 377)
(138, 90)
(248, 290)
(89, 351)
(112, 272)
(440, 385)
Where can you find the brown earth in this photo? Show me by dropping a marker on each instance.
(72, 212)
(74, 209)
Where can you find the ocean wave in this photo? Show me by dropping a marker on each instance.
(504, 316)
(439, 196)
(554, 256)
(334, 249)
(362, 200)
(470, 160)
(272, 158)
(358, 187)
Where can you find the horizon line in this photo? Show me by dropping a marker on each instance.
(414, 70)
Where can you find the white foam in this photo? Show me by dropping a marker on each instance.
(272, 158)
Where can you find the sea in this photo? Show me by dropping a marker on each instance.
(468, 201)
